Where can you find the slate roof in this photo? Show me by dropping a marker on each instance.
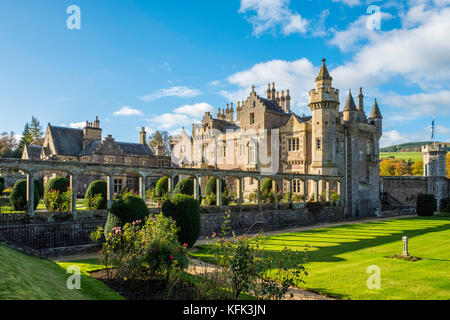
(271, 105)
(303, 119)
(135, 149)
(350, 103)
(375, 113)
(67, 141)
(90, 148)
(34, 152)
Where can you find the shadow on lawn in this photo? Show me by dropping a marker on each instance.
(390, 232)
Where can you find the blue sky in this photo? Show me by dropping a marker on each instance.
(162, 64)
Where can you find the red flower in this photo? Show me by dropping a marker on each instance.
(171, 257)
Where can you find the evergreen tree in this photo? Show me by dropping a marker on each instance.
(26, 137)
(35, 128)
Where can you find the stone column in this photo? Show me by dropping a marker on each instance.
(142, 186)
(30, 194)
(170, 185)
(316, 194)
(73, 186)
(328, 190)
(219, 191)
(239, 191)
(274, 186)
(258, 193)
(290, 191)
(196, 180)
(110, 191)
(305, 190)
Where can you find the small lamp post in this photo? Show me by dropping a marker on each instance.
(405, 246)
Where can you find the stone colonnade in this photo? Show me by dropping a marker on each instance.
(74, 169)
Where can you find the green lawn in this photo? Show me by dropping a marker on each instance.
(41, 206)
(28, 278)
(339, 257)
(413, 156)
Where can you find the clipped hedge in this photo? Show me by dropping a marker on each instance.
(185, 210)
(445, 205)
(426, 205)
(60, 184)
(97, 187)
(162, 187)
(211, 186)
(124, 210)
(185, 186)
(18, 196)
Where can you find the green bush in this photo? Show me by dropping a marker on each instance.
(185, 186)
(92, 200)
(185, 210)
(128, 208)
(40, 187)
(18, 196)
(59, 184)
(211, 186)
(59, 201)
(162, 187)
(445, 205)
(426, 205)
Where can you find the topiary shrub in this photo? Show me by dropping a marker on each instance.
(59, 184)
(162, 187)
(2, 185)
(211, 186)
(128, 208)
(266, 186)
(185, 186)
(18, 196)
(40, 187)
(96, 195)
(185, 210)
(445, 205)
(426, 205)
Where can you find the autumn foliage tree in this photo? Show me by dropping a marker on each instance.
(394, 167)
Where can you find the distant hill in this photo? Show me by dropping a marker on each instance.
(409, 147)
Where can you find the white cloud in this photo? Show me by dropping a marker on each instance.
(393, 137)
(78, 125)
(195, 110)
(298, 76)
(177, 91)
(271, 15)
(183, 116)
(128, 111)
(350, 3)
(418, 105)
(420, 54)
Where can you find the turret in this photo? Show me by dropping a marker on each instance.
(274, 92)
(376, 118)
(350, 111)
(324, 105)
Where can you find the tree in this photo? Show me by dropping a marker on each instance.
(160, 138)
(35, 128)
(26, 137)
(394, 167)
(8, 144)
(417, 168)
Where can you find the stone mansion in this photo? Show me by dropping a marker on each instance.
(87, 145)
(262, 133)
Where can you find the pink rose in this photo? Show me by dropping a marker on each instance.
(171, 257)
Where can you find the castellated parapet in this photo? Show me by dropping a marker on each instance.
(434, 160)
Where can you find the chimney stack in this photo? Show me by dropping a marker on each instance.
(143, 136)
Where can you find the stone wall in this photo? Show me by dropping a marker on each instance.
(406, 189)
